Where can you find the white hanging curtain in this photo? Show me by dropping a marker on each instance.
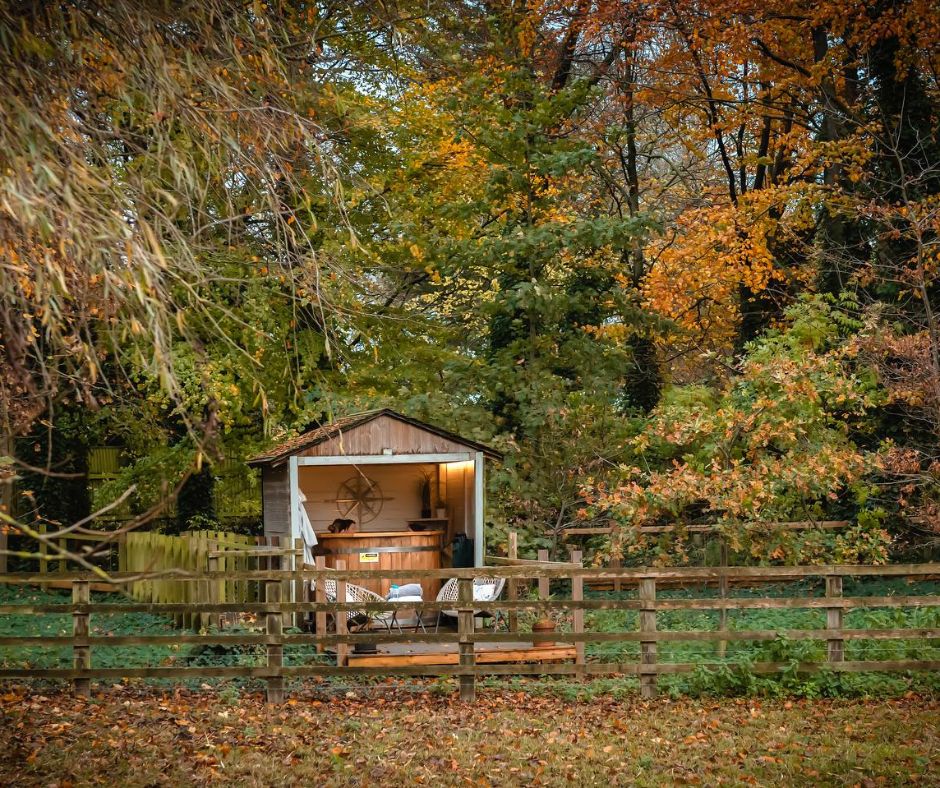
(306, 528)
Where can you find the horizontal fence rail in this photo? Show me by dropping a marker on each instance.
(553, 570)
(284, 596)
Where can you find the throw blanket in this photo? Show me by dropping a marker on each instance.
(411, 589)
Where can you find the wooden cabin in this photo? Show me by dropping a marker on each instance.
(410, 489)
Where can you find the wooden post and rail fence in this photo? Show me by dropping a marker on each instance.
(701, 530)
(469, 642)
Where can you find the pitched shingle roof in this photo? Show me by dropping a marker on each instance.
(334, 428)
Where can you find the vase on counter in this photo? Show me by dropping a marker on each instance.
(544, 624)
(426, 498)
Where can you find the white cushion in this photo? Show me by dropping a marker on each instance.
(484, 593)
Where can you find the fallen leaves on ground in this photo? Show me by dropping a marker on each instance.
(139, 735)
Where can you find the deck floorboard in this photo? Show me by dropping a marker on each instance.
(393, 654)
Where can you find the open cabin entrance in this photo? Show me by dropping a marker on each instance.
(405, 514)
(411, 489)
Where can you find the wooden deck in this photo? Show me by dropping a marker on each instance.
(398, 654)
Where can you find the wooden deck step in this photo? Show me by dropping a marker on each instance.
(554, 654)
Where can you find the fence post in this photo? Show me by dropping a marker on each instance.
(81, 655)
(647, 647)
(299, 595)
(615, 563)
(283, 562)
(723, 593)
(835, 651)
(465, 630)
(577, 615)
(273, 628)
(342, 648)
(543, 581)
(320, 596)
(43, 557)
(513, 588)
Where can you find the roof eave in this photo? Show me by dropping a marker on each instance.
(277, 459)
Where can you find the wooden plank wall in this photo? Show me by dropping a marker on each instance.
(459, 498)
(275, 495)
(385, 433)
(400, 485)
(145, 553)
(399, 564)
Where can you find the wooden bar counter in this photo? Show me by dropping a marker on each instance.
(396, 551)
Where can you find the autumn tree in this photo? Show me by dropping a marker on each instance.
(776, 443)
(167, 174)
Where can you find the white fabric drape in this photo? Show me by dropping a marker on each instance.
(306, 529)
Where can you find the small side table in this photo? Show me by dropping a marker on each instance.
(405, 601)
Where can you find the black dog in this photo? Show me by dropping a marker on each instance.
(339, 525)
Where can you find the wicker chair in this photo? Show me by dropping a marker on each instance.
(485, 589)
(360, 619)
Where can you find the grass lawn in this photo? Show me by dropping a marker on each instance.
(141, 736)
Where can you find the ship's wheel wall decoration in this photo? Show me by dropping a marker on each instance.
(360, 499)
